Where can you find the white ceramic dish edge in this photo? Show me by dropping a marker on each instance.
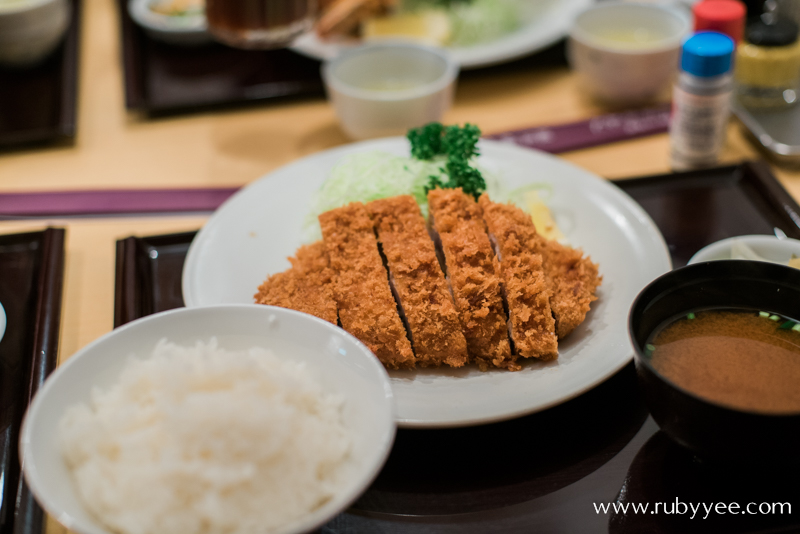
(192, 30)
(767, 246)
(2, 321)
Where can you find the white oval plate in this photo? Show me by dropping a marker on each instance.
(253, 233)
(340, 363)
(547, 22)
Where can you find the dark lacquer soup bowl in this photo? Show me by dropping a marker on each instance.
(713, 429)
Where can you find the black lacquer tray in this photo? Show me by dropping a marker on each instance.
(31, 280)
(552, 472)
(162, 78)
(38, 104)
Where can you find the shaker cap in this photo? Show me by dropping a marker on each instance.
(707, 54)
(724, 16)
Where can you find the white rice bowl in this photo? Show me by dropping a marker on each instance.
(181, 460)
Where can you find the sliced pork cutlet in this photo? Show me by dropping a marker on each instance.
(573, 280)
(472, 272)
(307, 286)
(366, 306)
(527, 293)
(418, 282)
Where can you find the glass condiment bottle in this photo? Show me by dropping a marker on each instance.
(701, 101)
(768, 65)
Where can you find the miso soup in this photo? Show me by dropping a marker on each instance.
(744, 359)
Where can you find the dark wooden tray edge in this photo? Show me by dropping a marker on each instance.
(64, 131)
(29, 518)
(758, 174)
(131, 281)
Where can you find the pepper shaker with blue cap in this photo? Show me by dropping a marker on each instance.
(701, 100)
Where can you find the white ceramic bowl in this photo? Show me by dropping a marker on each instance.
(768, 247)
(341, 363)
(186, 30)
(384, 89)
(626, 52)
(31, 29)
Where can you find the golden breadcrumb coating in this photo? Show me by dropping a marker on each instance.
(526, 291)
(472, 272)
(366, 306)
(307, 286)
(573, 280)
(418, 282)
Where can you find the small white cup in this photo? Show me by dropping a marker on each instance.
(384, 89)
(31, 29)
(626, 52)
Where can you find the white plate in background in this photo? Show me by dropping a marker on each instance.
(252, 234)
(547, 22)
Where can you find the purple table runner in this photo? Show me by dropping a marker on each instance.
(554, 139)
(112, 201)
(593, 132)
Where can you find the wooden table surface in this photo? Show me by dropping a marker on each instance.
(119, 149)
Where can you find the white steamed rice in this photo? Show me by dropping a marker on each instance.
(204, 440)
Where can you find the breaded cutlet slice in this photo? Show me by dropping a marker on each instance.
(573, 281)
(472, 273)
(418, 282)
(527, 293)
(307, 286)
(366, 306)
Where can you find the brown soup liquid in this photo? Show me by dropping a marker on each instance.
(737, 358)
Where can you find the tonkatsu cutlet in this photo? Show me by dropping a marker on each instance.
(472, 272)
(573, 281)
(418, 282)
(307, 286)
(526, 291)
(366, 306)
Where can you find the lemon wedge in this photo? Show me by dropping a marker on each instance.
(542, 218)
(429, 26)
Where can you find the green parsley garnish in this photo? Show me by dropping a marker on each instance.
(459, 145)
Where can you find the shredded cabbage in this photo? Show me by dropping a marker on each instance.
(368, 176)
(480, 21)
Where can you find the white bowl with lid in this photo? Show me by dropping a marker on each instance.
(384, 89)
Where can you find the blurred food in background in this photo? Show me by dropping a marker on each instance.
(440, 22)
(177, 8)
